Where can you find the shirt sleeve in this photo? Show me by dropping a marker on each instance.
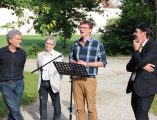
(24, 60)
(71, 54)
(102, 54)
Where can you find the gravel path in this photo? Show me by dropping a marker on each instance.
(112, 101)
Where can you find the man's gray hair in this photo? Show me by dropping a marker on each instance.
(52, 38)
(12, 33)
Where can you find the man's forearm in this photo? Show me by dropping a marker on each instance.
(74, 61)
(95, 64)
(89, 64)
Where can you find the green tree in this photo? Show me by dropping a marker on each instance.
(154, 6)
(62, 16)
(8, 25)
(57, 17)
(17, 5)
(120, 34)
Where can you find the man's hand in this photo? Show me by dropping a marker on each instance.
(149, 67)
(82, 62)
(136, 45)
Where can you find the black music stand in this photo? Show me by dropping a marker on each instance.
(71, 69)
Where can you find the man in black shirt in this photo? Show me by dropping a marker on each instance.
(12, 61)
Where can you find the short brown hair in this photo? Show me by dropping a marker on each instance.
(90, 24)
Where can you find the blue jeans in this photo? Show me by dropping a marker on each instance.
(45, 88)
(12, 94)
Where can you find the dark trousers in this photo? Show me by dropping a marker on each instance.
(45, 88)
(141, 106)
(12, 94)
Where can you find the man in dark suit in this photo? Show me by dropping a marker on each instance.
(143, 80)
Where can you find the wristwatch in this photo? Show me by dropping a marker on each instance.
(87, 64)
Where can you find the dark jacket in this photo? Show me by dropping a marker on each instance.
(145, 83)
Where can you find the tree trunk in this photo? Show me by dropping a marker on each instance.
(64, 43)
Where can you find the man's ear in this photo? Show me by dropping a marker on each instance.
(144, 34)
(90, 30)
(9, 41)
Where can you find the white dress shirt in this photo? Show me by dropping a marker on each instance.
(45, 75)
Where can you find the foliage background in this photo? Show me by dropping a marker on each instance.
(117, 36)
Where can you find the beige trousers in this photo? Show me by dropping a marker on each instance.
(84, 90)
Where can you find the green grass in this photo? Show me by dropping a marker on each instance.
(3, 40)
(30, 92)
(38, 40)
(3, 109)
(154, 106)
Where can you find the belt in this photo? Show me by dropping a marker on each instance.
(89, 76)
(10, 80)
(83, 77)
(45, 80)
(92, 76)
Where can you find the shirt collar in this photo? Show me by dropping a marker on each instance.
(51, 53)
(144, 43)
(7, 49)
(89, 40)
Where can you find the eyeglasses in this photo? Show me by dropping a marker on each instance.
(83, 28)
(48, 43)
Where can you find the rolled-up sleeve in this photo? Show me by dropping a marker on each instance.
(102, 54)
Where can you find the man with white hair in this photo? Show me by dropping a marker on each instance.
(12, 61)
(49, 79)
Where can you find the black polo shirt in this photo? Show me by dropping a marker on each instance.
(11, 64)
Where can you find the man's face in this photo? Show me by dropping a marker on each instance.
(16, 41)
(139, 35)
(85, 30)
(49, 45)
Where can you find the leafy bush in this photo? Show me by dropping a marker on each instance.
(115, 44)
(117, 35)
(33, 49)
